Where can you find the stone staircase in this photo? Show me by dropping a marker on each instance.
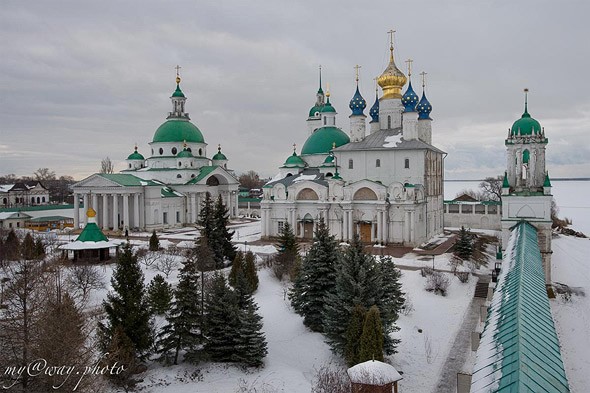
(481, 288)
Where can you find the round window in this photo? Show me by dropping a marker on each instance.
(174, 151)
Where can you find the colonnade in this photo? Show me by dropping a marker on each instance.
(114, 210)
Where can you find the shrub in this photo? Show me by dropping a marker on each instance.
(438, 283)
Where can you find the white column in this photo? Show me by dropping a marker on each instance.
(95, 201)
(351, 231)
(412, 226)
(379, 226)
(385, 227)
(136, 210)
(141, 211)
(76, 211)
(125, 211)
(105, 211)
(115, 212)
(262, 222)
(85, 209)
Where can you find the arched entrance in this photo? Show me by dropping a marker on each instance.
(307, 226)
(365, 229)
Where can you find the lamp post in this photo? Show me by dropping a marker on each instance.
(432, 261)
(245, 245)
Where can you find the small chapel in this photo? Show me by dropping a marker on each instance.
(382, 181)
(165, 189)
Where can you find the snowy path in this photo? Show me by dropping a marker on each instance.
(460, 349)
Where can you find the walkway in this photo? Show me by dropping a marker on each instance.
(460, 350)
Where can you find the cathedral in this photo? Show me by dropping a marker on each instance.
(383, 182)
(526, 189)
(166, 189)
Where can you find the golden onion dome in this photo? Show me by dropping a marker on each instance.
(392, 80)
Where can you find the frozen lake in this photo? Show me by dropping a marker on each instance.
(571, 197)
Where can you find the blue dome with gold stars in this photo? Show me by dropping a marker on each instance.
(357, 104)
(374, 111)
(410, 99)
(424, 108)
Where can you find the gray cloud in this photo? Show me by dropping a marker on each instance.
(82, 81)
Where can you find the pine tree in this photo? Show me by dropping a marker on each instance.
(353, 335)
(159, 294)
(251, 347)
(154, 241)
(390, 302)
(206, 221)
(316, 279)
(223, 321)
(221, 232)
(286, 258)
(126, 306)
(39, 248)
(236, 266)
(251, 271)
(28, 247)
(184, 320)
(358, 281)
(371, 347)
(464, 245)
(11, 246)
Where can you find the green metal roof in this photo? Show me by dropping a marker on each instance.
(178, 130)
(51, 218)
(315, 109)
(323, 139)
(519, 348)
(178, 92)
(128, 180)
(294, 161)
(135, 156)
(204, 172)
(167, 192)
(526, 125)
(92, 233)
(547, 182)
(37, 208)
(184, 154)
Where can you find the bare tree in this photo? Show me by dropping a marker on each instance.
(492, 188)
(250, 180)
(107, 166)
(146, 257)
(83, 278)
(331, 379)
(44, 175)
(438, 283)
(168, 261)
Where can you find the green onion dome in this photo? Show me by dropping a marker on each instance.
(325, 139)
(526, 125)
(219, 155)
(135, 155)
(178, 130)
(294, 161)
(327, 107)
(314, 110)
(185, 153)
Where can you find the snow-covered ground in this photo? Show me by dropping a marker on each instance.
(571, 266)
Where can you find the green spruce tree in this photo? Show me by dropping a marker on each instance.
(250, 270)
(39, 248)
(206, 221)
(464, 245)
(184, 320)
(154, 241)
(28, 247)
(358, 281)
(236, 267)
(316, 279)
(371, 347)
(251, 347)
(126, 306)
(390, 301)
(223, 236)
(159, 294)
(222, 321)
(288, 252)
(353, 335)
(12, 246)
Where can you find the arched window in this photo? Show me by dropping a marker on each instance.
(161, 151)
(189, 149)
(407, 163)
(200, 152)
(325, 120)
(388, 121)
(179, 164)
(193, 176)
(152, 152)
(38, 200)
(212, 181)
(350, 164)
(329, 174)
(129, 166)
(43, 199)
(178, 176)
(174, 151)
(526, 155)
(5, 201)
(378, 163)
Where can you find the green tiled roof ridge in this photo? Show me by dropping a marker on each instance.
(92, 233)
(520, 349)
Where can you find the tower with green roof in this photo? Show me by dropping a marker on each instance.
(526, 188)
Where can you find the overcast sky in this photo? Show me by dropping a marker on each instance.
(80, 81)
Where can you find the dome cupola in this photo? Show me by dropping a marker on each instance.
(392, 80)
(410, 98)
(374, 111)
(294, 161)
(317, 108)
(135, 155)
(357, 103)
(219, 155)
(324, 139)
(424, 108)
(526, 125)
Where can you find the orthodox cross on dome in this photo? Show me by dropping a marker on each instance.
(409, 62)
(526, 96)
(423, 74)
(356, 68)
(177, 68)
(294, 148)
(376, 85)
(320, 76)
(328, 90)
(391, 33)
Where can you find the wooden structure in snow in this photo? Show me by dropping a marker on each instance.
(373, 376)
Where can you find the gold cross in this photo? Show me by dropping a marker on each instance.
(423, 78)
(391, 32)
(178, 70)
(409, 62)
(357, 67)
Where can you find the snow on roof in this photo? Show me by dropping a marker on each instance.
(78, 245)
(305, 177)
(278, 176)
(373, 372)
(393, 140)
(6, 187)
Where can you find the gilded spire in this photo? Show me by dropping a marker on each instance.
(526, 99)
(177, 74)
(392, 79)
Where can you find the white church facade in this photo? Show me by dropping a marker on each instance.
(383, 181)
(526, 189)
(166, 189)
